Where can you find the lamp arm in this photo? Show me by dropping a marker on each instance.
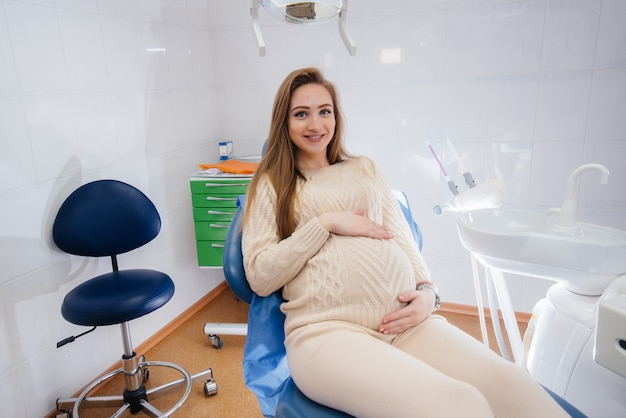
(256, 29)
(345, 36)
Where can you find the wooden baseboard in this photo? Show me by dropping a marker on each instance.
(522, 317)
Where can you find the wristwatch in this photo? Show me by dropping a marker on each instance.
(423, 286)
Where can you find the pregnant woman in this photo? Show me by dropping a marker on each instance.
(361, 336)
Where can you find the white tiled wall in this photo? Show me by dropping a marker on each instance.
(526, 90)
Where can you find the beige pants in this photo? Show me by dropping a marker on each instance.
(432, 370)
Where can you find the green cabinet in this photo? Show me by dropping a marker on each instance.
(214, 202)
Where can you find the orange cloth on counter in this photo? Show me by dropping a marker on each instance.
(232, 166)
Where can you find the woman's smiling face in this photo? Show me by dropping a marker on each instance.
(311, 123)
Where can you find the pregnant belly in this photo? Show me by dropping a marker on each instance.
(377, 271)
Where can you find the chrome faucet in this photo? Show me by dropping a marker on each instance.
(569, 208)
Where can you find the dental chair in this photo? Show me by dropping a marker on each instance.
(109, 218)
(264, 365)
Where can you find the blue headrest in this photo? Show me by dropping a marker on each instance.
(103, 218)
(232, 260)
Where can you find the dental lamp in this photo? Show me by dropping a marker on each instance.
(303, 13)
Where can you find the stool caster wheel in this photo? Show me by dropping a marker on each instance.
(216, 341)
(210, 388)
(63, 414)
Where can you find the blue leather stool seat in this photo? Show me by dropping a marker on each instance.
(117, 297)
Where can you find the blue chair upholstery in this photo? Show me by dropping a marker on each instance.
(106, 218)
(265, 369)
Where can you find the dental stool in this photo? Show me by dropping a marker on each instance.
(108, 218)
(265, 366)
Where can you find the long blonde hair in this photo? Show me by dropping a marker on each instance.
(279, 161)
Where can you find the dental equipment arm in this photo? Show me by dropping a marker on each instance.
(451, 185)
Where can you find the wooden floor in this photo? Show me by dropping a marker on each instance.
(188, 347)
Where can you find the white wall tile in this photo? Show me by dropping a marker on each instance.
(610, 196)
(512, 108)
(95, 130)
(374, 47)
(606, 106)
(149, 10)
(610, 52)
(37, 48)
(469, 41)
(466, 108)
(423, 44)
(511, 163)
(409, 6)
(237, 48)
(518, 27)
(202, 51)
(12, 396)
(53, 135)
(425, 102)
(24, 248)
(569, 36)
(201, 13)
(30, 304)
(17, 167)
(84, 53)
(116, 7)
(8, 73)
(552, 164)
(228, 14)
(209, 113)
(126, 63)
(151, 45)
(179, 57)
(85, 5)
(174, 12)
(241, 101)
(562, 106)
(130, 110)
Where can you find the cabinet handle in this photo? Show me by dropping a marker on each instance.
(224, 184)
(217, 245)
(219, 212)
(232, 199)
(218, 226)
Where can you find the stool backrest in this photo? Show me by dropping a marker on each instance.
(105, 218)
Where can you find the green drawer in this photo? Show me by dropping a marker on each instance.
(213, 214)
(220, 187)
(212, 231)
(210, 253)
(207, 200)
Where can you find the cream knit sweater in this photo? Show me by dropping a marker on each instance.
(326, 276)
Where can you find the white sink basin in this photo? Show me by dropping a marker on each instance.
(586, 258)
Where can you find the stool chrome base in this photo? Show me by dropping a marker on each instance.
(136, 395)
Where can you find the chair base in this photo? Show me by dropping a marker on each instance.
(135, 396)
(213, 330)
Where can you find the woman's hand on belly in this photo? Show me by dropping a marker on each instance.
(419, 305)
(353, 224)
